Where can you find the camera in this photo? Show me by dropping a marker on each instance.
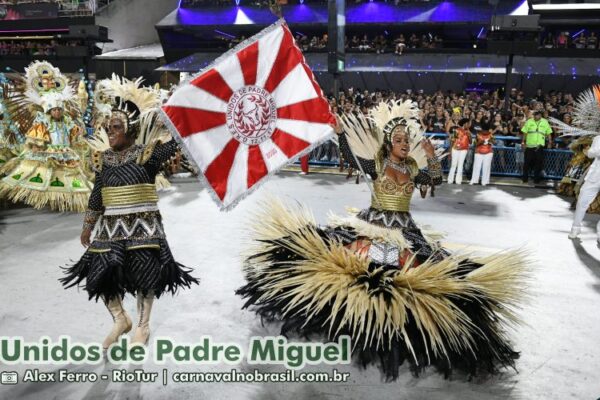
(9, 378)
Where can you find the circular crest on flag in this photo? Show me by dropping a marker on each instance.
(251, 115)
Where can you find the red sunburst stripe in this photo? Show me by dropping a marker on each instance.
(192, 120)
(287, 58)
(217, 172)
(248, 59)
(257, 168)
(289, 144)
(213, 83)
(307, 111)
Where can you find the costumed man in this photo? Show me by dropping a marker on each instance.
(586, 128)
(146, 98)
(129, 253)
(536, 136)
(49, 172)
(459, 142)
(378, 277)
(484, 154)
(589, 190)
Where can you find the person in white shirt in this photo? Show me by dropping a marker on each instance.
(589, 190)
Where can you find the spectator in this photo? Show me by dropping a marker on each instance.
(536, 136)
(562, 42)
(460, 141)
(592, 41)
(400, 44)
(484, 154)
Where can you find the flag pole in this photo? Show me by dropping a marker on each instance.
(367, 177)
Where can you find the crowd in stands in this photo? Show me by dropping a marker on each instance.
(378, 44)
(65, 7)
(266, 3)
(563, 40)
(441, 111)
(32, 47)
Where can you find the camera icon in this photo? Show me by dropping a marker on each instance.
(9, 378)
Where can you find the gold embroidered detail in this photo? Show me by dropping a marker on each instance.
(90, 219)
(390, 195)
(144, 246)
(96, 160)
(113, 158)
(147, 153)
(98, 250)
(129, 195)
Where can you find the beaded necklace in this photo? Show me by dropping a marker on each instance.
(400, 167)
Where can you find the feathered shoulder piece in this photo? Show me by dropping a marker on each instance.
(586, 115)
(367, 134)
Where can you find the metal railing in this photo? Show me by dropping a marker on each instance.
(508, 157)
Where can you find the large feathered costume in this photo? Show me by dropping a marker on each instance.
(11, 139)
(50, 171)
(585, 126)
(377, 277)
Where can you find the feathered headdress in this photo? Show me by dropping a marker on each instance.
(46, 86)
(586, 115)
(367, 134)
(138, 105)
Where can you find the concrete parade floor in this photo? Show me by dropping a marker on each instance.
(560, 343)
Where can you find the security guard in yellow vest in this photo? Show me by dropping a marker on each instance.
(536, 135)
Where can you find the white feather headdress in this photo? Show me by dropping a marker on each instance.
(111, 93)
(586, 115)
(46, 86)
(366, 134)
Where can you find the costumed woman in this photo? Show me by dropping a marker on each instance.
(129, 253)
(49, 172)
(376, 276)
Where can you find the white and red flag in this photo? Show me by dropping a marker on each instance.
(249, 113)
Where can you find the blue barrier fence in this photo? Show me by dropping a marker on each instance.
(508, 157)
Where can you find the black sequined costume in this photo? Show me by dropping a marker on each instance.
(129, 252)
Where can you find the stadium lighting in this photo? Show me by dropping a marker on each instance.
(480, 32)
(566, 6)
(522, 9)
(241, 18)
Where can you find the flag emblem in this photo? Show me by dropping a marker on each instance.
(251, 115)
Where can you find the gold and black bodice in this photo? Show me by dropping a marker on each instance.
(124, 198)
(390, 195)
